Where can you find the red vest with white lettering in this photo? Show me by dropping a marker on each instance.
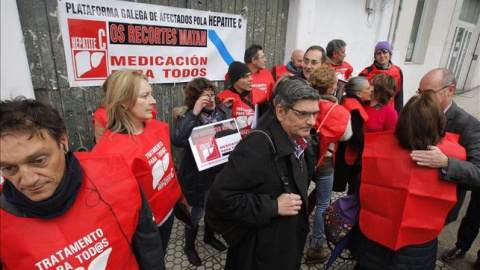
(95, 233)
(402, 203)
(149, 156)
(351, 104)
(343, 71)
(263, 81)
(330, 124)
(243, 113)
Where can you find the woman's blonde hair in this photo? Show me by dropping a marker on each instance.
(323, 78)
(122, 93)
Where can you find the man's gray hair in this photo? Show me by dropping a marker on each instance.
(290, 90)
(448, 77)
(355, 84)
(334, 46)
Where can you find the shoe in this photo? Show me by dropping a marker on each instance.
(476, 265)
(189, 249)
(317, 256)
(453, 254)
(209, 238)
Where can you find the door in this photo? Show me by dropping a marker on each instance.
(462, 47)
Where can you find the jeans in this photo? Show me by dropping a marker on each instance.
(165, 229)
(198, 212)
(323, 185)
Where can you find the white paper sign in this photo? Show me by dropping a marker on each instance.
(211, 144)
(167, 44)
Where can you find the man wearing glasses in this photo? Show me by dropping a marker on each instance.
(465, 173)
(262, 191)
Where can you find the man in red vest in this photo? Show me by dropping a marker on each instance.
(336, 58)
(294, 66)
(256, 61)
(63, 211)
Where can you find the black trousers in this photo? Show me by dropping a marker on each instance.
(470, 225)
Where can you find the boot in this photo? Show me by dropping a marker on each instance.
(210, 239)
(317, 256)
(189, 249)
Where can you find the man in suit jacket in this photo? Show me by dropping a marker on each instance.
(465, 173)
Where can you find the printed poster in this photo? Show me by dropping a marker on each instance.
(211, 144)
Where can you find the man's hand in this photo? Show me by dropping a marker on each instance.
(289, 204)
(433, 158)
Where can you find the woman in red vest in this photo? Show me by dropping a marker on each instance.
(348, 156)
(99, 117)
(403, 206)
(383, 64)
(144, 142)
(332, 125)
(201, 108)
(381, 115)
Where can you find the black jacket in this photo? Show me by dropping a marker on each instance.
(193, 182)
(246, 191)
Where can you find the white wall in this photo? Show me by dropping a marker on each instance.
(434, 58)
(313, 22)
(316, 22)
(15, 75)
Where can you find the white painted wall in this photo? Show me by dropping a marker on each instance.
(313, 22)
(316, 22)
(434, 58)
(15, 75)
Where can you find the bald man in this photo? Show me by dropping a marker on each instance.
(465, 173)
(294, 66)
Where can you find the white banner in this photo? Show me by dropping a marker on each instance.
(212, 144)
(167, 44)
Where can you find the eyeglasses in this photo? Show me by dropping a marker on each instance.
(434, 91)
(211, 96)
(305, 115)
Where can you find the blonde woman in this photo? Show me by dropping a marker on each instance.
(144, 142)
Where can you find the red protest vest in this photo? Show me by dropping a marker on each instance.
(95, 233)
(279, 71)
(243, 113)
(402, 203)
(149, 157)
(263, 82)
(330, 124)
(393, 71)
(343, 71)
(351, 104)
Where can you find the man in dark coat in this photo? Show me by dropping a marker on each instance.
(465, 173)
(250, 192)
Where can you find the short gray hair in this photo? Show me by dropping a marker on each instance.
(355, 84)
(334, 46)
(290, 90)
(448, 77)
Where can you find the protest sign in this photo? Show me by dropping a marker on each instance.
(211, 144)
(167, 44)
